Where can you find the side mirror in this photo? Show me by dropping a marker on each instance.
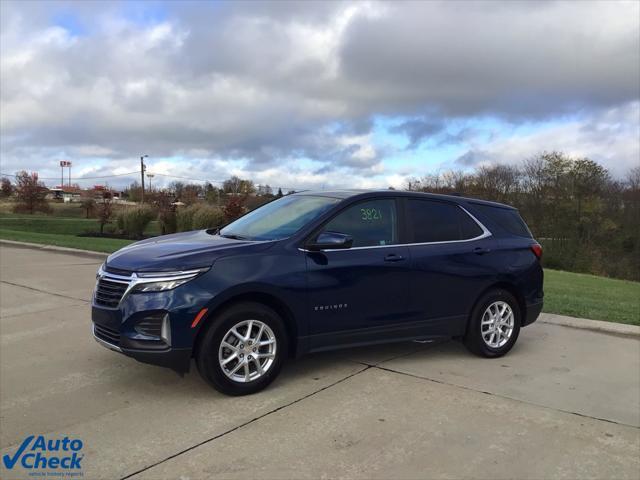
(330, 241)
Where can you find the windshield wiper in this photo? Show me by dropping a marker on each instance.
(233, 236)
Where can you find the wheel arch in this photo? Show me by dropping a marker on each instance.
(263, 298)
(504, 285)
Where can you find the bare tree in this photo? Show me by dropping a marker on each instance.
(105, 211)
(88, 204)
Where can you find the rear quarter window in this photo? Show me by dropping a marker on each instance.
(508, 219)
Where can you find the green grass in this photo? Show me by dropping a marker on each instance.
(57, 225)
(588, 296)
(61, 231)
(49, 225)
(107, 245)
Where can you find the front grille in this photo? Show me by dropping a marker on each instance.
(107, 334)
(109, 292)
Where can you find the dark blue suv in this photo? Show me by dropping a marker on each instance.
(315, 271)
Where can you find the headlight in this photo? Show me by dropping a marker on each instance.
(162, 281)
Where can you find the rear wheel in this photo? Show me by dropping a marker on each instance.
(243, 349)
(494, 325)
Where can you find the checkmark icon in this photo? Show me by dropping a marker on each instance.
(10, 462)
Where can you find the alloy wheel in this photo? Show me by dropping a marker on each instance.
(247, 351)
(497, 324)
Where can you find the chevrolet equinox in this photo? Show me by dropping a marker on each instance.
(315, 271)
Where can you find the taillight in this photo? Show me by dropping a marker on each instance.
(536, 248)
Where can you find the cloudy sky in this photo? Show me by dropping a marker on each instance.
(315, 94)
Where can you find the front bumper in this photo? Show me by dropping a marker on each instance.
(178, 359)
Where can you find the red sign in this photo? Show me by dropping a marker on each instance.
(65, 163)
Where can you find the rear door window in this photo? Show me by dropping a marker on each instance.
(433, 221)
(370, 223)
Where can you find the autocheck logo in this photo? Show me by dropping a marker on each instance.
(36, 452)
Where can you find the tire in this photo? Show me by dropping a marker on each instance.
(479, 338)
(269, 357)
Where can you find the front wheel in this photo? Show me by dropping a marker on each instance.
(242, 351)
(494, 325)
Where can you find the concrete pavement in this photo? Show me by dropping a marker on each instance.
(565, 403)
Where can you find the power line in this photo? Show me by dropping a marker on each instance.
(187, 178)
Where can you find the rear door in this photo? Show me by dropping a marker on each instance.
(450, 263)
(364, 286)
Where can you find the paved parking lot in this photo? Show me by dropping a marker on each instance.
(565, 403)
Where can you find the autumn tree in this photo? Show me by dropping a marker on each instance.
(234, 207)
(190, 193)
(30, 193)
(6, 188)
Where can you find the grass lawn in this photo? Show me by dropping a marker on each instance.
(107, 245)
(61, 231)
(588, 296)
(57, 225)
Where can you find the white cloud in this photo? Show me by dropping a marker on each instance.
(611, 137)
(261, 85)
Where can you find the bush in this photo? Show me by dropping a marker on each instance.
(120, 220)
(197, 217)
(184, 218)
(133, 222)
(207, 217)
(110, 229)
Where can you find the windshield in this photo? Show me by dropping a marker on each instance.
(278, 219)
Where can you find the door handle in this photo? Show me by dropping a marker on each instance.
(392, 257)
(481, 250)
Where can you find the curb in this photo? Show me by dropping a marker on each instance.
(39, 246)
(599, 326)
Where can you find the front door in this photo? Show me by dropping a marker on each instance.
(365, 286)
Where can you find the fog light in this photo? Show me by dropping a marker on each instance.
(154, 327)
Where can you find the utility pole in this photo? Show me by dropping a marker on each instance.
(142, 169)
(150, 176)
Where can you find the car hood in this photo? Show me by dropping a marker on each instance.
(179, 251)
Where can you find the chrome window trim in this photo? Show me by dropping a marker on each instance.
(136, 279)
(485, 233)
